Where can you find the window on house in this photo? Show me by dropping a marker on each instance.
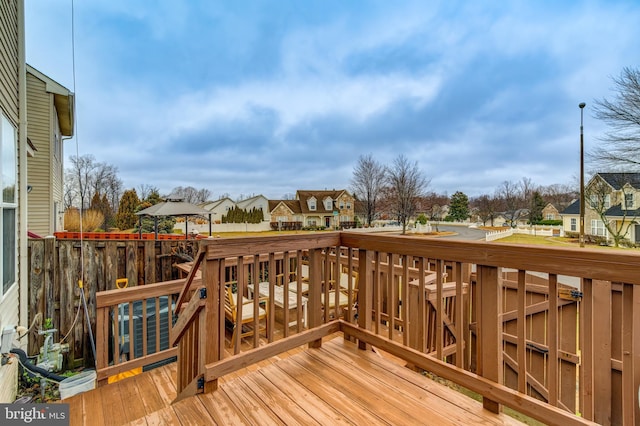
(597, 228)
(311, 222)
(596, 200)
(628, 201)
(8, 204)
(341, 205)
(348, 205)
(328, 205)
(574, 224)
(312, 204)
(551, 216)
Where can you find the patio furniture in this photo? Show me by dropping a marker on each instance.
(247, 311)
(278, 299)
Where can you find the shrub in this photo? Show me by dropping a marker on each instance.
(550, 222)
(91, 220)
(72, 219)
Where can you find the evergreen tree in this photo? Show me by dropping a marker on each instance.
(126, 218)
(535, 211)
(154, 197)
(100, 203)
(459, 208)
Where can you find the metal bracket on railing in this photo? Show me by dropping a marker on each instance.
(567, 294)
(201, 383)
(203, 293)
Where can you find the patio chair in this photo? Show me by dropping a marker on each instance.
(231, 311)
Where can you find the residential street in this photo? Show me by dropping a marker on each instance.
(462, 232)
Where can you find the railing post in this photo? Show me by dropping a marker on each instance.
(315, 293)
(602, 352)
(490, 329)
(365, 286)
(102, 333)
(212, 330)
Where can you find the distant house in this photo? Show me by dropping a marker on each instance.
(258, 202)
(512, 218)
(50, 107)
(551, 212)
(219, 208)
(285, 215)
(618, 195)
(327, 209)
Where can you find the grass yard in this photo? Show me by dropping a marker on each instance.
(556, 241)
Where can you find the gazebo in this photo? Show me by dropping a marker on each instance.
(173, 207)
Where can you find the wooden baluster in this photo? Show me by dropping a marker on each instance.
(490, 336)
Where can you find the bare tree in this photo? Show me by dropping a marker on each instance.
(190, 194)
(368, 178)
(407, 184)
(86, 178)
(511, 195)
(527, 189)
(621, 145)
(79, 179)
(145, 190)
(486, 208)
(559, 194)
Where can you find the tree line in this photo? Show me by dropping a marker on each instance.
(94, 190)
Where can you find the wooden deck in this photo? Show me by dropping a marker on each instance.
(336, 384)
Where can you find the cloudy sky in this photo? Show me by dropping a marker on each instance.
(266, 97)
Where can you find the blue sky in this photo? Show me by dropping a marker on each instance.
(269, 97)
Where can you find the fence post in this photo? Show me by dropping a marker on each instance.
(490, 329)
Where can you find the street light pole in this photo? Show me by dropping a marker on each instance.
(582, 200)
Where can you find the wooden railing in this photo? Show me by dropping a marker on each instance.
(132, 327)
(550, 332)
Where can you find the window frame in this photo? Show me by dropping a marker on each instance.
(8, 206)
(629, 200)
(598, 228)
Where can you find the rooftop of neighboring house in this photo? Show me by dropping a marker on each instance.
(573, 208)
(618, 180)
(293, 205)
(320, 196)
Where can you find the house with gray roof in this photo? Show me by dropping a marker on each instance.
(617, 196)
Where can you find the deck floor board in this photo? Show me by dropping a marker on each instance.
(335, 384)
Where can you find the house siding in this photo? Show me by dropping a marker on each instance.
(10, 47)
(9, 61)
(39, 110)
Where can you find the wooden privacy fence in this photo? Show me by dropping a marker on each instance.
(55, 267)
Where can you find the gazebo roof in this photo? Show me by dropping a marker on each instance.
(173, 208)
